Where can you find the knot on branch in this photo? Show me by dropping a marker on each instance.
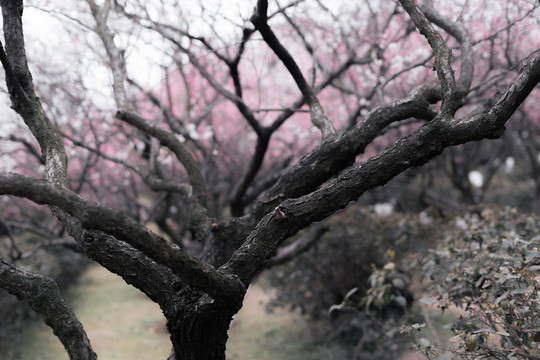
(279, 213)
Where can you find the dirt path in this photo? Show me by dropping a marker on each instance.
(122, 323)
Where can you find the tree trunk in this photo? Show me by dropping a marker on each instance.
(200, 331)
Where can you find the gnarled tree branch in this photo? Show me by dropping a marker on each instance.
(414, 150)
(44, 297)
(94, 216)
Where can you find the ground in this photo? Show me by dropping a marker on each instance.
(122, 323)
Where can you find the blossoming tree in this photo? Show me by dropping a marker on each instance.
(262, 126)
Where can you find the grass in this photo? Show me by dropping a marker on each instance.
(122, 323)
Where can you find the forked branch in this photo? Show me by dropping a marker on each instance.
(318, 117)
(443, 57)
(95, 216)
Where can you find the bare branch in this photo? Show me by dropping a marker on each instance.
(44, 297)
(294, 110)
(237, 200)
(443, 56)
(95, 216)
(14, 251)
(299, 246)
(115, 55)
(199, 216)
(154, 183)
(318, 118)
(462, 36)
(414, 150)
(177, 124)
(67, 243)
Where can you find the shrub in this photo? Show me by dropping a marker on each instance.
(489, 268)
(352, 255)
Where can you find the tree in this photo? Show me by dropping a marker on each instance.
(353, 63)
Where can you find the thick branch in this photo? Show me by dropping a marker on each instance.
(94, 216)
(414, 150)
(17, 70)
(44, 297)
(23, 97)
(333, 156)
(156, 281)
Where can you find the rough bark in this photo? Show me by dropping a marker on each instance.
(414, 150)
(94, 216)
(199, 328)
(199, 296)
(44, 297)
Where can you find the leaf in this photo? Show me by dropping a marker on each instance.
(500, 298)
(424, 342)
(428, 300)
(456, 339)
(534, 268)
(503, 333)
(484, 330)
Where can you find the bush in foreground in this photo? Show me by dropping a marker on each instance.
(489, 270)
